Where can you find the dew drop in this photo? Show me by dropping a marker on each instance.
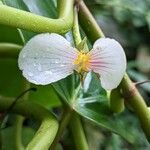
(48, 72)
(34, 65)
(24, 55)
(62, 65)
(39, 67)
(30, 74)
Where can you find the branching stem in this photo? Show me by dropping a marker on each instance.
(136, 101)
(32, 22)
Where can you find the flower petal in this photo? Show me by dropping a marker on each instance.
(47, 58)
(109, 61)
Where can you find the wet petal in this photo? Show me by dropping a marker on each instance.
(47, 58)
(109, 61)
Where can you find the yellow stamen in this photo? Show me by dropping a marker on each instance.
(82, 61)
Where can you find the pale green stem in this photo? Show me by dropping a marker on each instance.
(17, 133)
(62, 125)
(75, 123)
(94, 32)
(88, 22)
(32, 22)
(133, 97)
(20, 119)
(76, 30)
(49, 125)
(78, 133)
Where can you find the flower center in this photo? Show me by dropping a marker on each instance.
(82, 61)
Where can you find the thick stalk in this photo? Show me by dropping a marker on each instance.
(88, 22)
(78, 133)
(62, 125)
(32, 22)
(75, 123)
(136, 101)
(49, 125)
(93, 31)
(75, 29)
(17, 133)
(20, 119)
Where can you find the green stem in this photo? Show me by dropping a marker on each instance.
(78, 133)
(9, 50)
(17, 133)
(62, 125)
(49, 125)
(19, 119)
(93, 31)
(75, 123)
(32, 22)
(136, 101)
(76, 30)
(88, 22)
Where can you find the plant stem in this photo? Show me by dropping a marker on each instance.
(75, 123)
(20, 119)
(17, 133)
(93, 31)
(63, 123)
(136, 101)
(88, 22)
(49, 125)
(9, 50)
(78, 132)
(32, 22)
(76, 30)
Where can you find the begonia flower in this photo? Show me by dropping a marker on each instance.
(47, 58)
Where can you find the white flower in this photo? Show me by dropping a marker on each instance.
(47, 58)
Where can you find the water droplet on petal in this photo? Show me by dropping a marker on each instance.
(30, 74)
(62, 65)
(56, 61)
(39, 68)
(24, 55)
(48, 72)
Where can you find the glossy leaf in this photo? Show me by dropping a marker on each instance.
(97, 110)
(66, 87)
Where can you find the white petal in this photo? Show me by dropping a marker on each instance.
(47, 58)
(109, 61)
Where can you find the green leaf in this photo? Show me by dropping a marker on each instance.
(97, 110)
(45, 95)
(10, 78)
(66, 87)
(10, 35)
(93, 104)
(92, 86)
